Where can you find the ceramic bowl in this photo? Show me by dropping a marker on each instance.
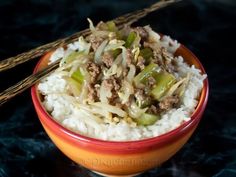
(120, 158)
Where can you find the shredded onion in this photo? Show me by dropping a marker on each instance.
(83, 45)
(131, 73)
(173, 88)
(112, 109)
(104, 93)
(84, 93)
(98, 53)
(126, 90)
(89, 119)
(136, 52)
(114, 69)
(95, 110)
(180, 91)
(114, 44)
(110, 72)
(124, 55)
(119, 71)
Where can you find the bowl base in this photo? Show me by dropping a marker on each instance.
(106, 175)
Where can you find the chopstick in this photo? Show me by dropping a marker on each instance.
(26, 83)
(21, 86)
(39, 51)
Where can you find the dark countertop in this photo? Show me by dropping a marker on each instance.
(207, 27)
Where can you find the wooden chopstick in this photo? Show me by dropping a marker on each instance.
(26, 83)
(21, 86)
(39, 51)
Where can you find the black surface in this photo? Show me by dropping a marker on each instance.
(206, 27)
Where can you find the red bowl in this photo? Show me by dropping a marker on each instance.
(127, 157)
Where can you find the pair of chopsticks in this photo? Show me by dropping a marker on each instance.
(11, 62)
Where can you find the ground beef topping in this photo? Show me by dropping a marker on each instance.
(107, 59)
(113, 85)
(94, 71)
(95, 41)
(129, 57)
(92, 93)
(168, 102)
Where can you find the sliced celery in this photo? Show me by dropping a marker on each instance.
(147, 119)
(78, 76)
(130, 39)
(164, 81)
(146, 53)
(145, 73)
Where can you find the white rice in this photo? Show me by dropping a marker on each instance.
(64, 109)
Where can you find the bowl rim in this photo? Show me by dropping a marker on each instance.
(160, 139)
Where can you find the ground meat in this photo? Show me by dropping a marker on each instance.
(140, 63)
(107, 59)
(142, 33)
(92, 93)
(151, 81)
(157, 58)
(94, 71)
(95, 41)
(163, 59)
(129, 57)
(154, 109)
(168, 102)
(113, 85)
(167, 59)
(166, 56)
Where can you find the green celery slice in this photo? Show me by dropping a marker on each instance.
(145, 73)
(147, 119)
(164, 81)
(146, 53)
(130, 39)
(78, 76)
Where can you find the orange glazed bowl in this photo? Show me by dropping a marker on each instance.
(127, 158)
